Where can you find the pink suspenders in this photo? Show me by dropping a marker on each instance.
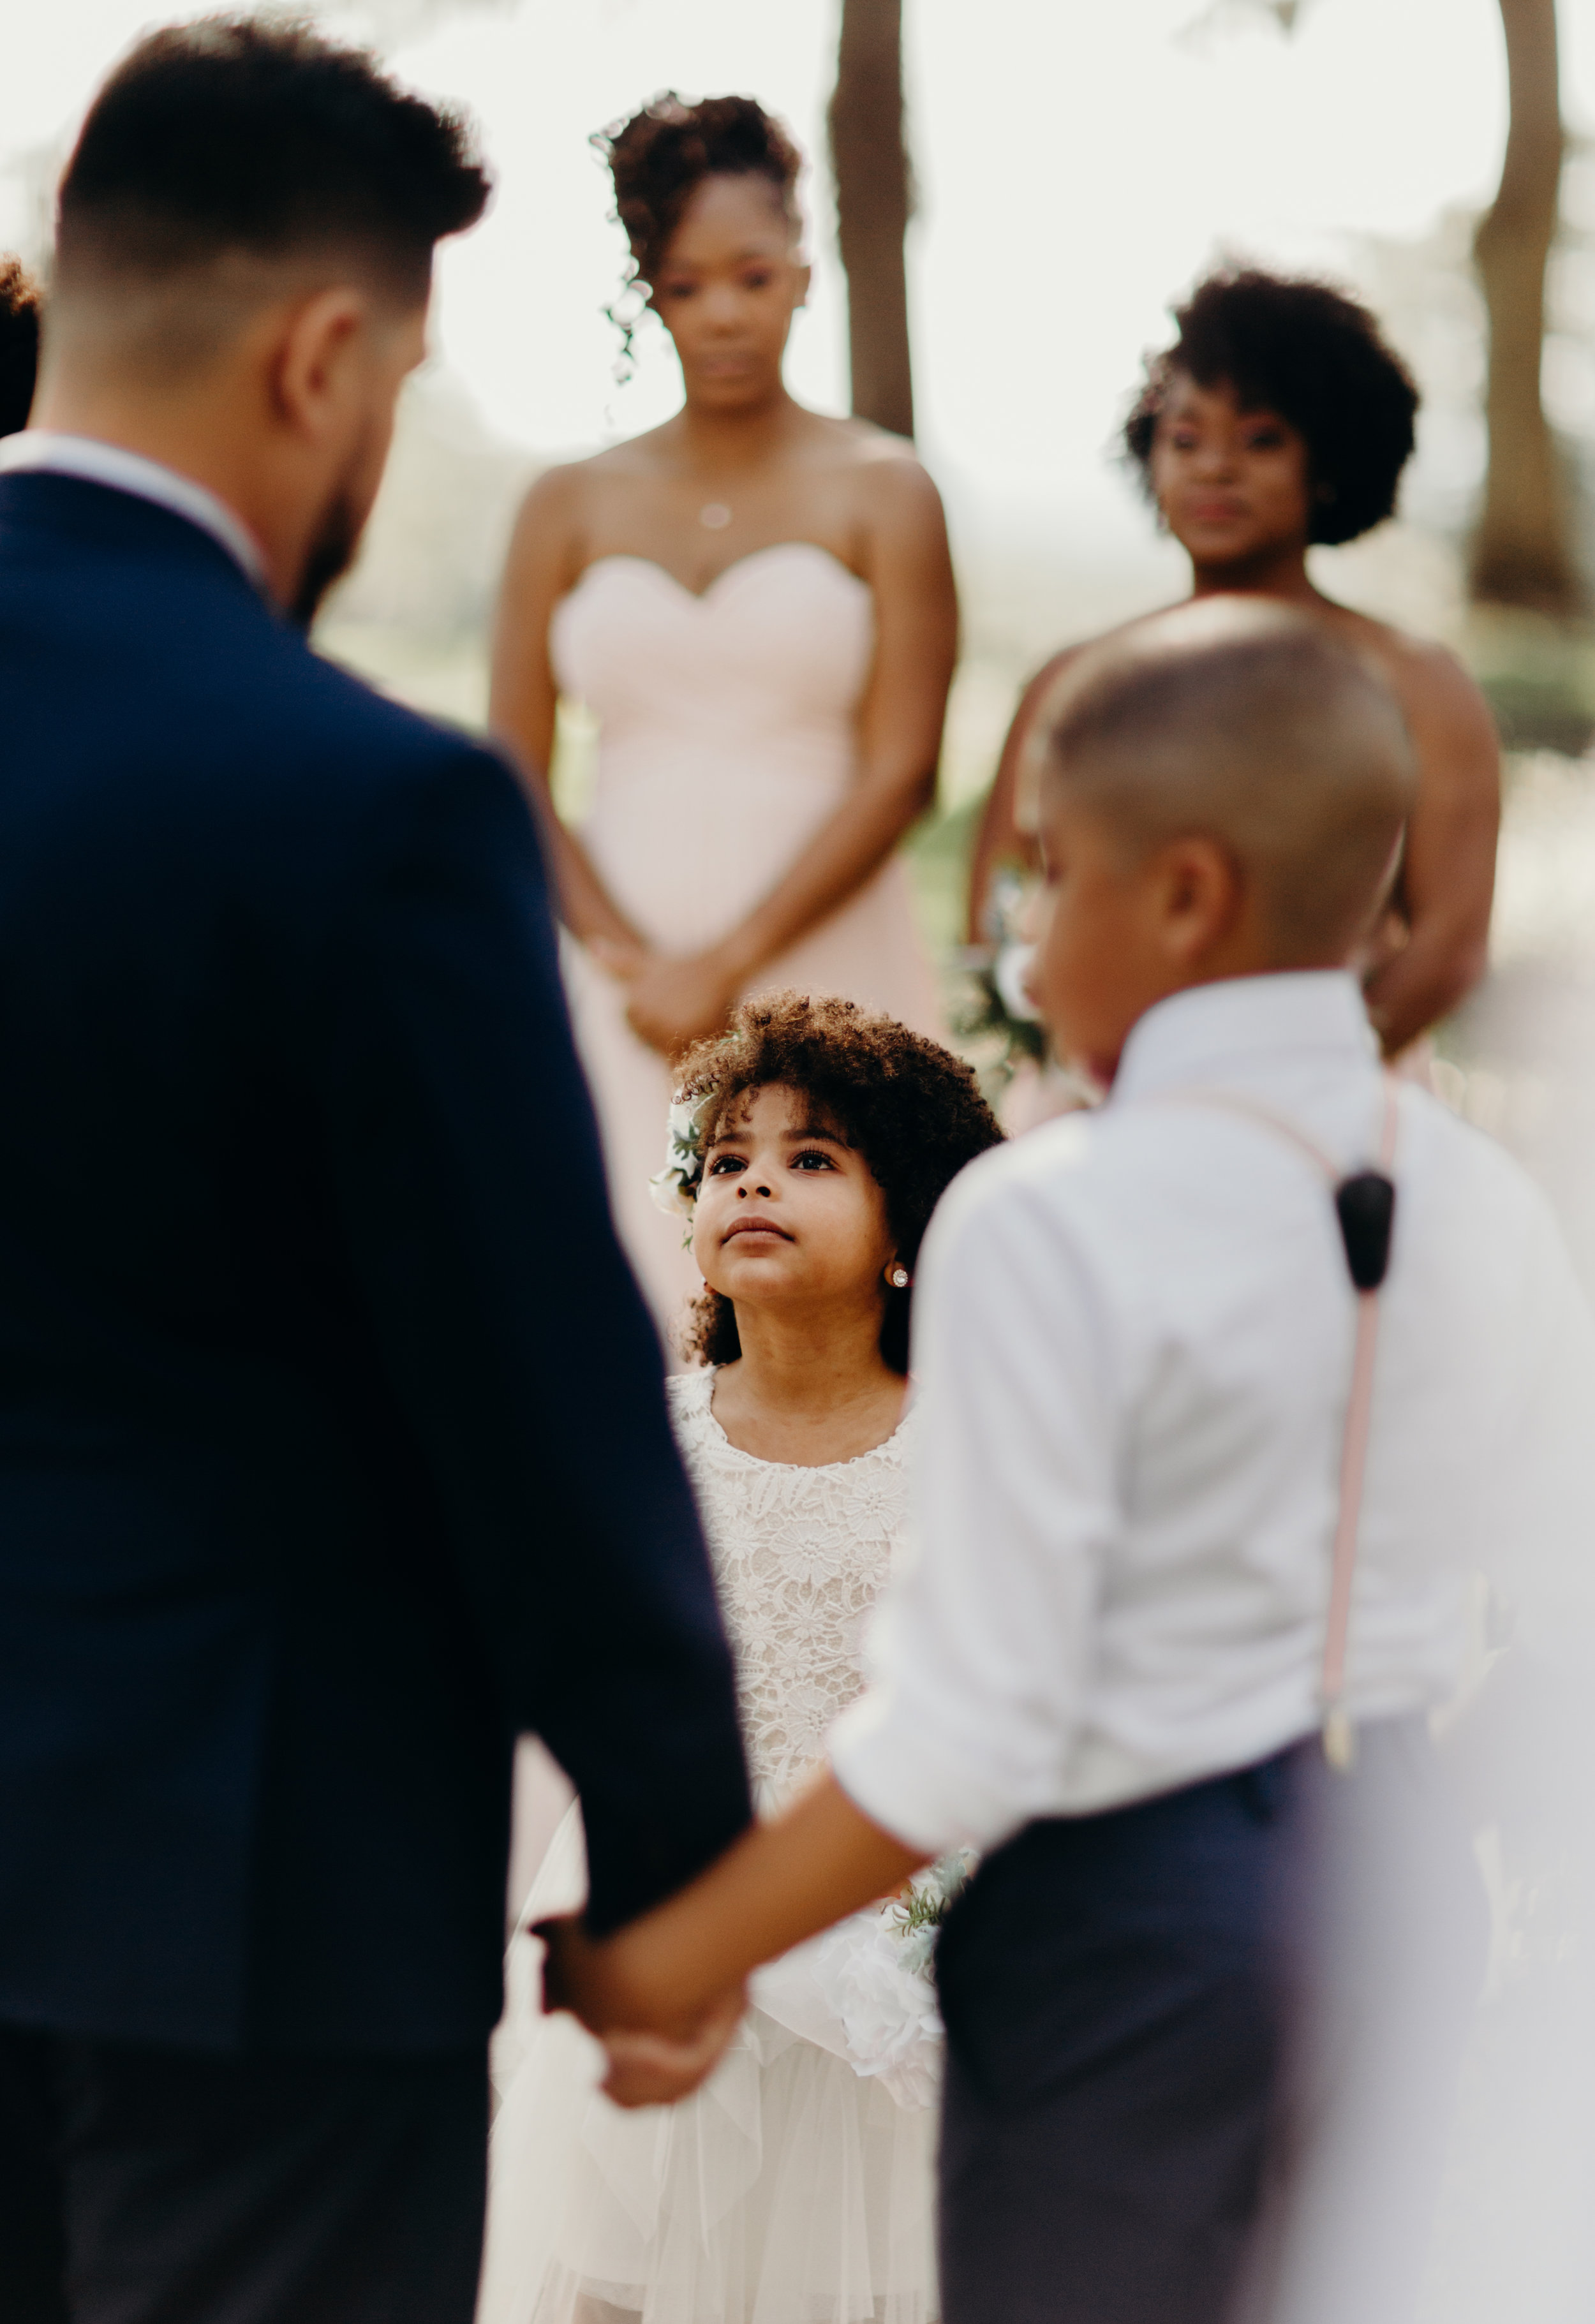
(1365, 1205)
(1339, 1740)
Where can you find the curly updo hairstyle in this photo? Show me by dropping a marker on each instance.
(1306, 351)
(660, 157)
(18, 344)
(910, 1108)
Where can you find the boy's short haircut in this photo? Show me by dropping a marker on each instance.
(234, 138)
(1251, 724)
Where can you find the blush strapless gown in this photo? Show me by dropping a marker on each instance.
(726, 736)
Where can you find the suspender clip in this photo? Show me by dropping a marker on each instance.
(1340, 1738)
(1365, 1205)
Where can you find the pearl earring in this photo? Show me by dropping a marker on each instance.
(898, 1279)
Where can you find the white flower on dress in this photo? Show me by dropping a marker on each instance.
(1008, 972)
(917, 1949)
(887, 2009)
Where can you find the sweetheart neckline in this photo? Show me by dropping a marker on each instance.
(701, 597)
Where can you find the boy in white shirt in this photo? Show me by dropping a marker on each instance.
(1144, 1367)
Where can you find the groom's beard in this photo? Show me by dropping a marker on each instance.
(331, 555)
(337, 537)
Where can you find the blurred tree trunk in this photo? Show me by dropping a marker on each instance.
(873, 201)
(1521, 554)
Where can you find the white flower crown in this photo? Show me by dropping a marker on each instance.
(674, 1187)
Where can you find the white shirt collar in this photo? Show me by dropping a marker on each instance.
(149, 480)
(1204, 1028)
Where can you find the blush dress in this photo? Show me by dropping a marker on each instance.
(796, 2187)
(727, 735)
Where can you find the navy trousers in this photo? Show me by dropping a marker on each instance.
(1167, 2028)
(142, 2186)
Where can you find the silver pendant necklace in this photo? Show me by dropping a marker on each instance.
(713, 516)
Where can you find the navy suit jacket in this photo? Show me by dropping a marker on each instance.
(333, 1443)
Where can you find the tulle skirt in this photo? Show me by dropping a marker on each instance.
(797, 2187)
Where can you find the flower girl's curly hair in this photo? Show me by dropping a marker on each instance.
(910, 1108)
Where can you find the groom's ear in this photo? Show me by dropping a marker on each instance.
(313, 348)
(333, 354)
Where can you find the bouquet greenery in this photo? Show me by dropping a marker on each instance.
(916, 1914)
(997, 1011)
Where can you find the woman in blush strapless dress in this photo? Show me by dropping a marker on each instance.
(727, 740)
(756, 603)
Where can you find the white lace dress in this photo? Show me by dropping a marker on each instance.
(796, 2186)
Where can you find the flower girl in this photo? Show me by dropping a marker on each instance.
(808, 1148)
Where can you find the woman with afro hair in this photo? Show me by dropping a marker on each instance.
(812, 1142)
(756, 602)
(1278, 419)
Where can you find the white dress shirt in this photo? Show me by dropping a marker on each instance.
(1133, 1340)
(148, 480)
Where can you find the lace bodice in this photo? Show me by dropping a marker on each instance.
(800, 1556)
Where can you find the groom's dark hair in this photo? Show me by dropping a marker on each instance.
(18, 344)
(233, 136)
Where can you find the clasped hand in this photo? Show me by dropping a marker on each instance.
(673, 1002)
(648, 2065)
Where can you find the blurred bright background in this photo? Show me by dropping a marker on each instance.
(1078, 166)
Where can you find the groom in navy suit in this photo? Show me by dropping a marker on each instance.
(333, 1447)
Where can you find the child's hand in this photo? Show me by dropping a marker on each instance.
(675, 1972)
(647, 2067)
(658, 2069)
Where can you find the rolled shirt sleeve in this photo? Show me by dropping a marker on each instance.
(979, 1655)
